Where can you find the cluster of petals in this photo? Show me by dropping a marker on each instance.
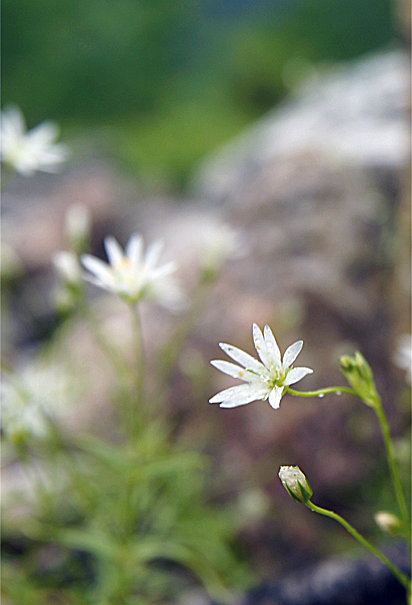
(133, 274)
(266, 379)
(33, 150)
(31, 397)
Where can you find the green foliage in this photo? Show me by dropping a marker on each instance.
(174, 79)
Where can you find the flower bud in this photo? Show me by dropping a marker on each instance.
(388, 522)
(67, 267)
(295, 483)
(358, 373)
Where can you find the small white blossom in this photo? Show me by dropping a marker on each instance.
(134, 275)
(29, 398)
(295, 483)
(266, 380)
(403, 355)
(29, 151)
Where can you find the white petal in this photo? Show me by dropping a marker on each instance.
(113, 250)
(153, 254)
(229, 368)
(43, 134)
(162, 271)
(13, 120)
(291, 353)
(260, 344)
(96, 266)
(244, 359)
(296, 374)
(134, 250)
(98, 282)
(275, 396)
(240, 395)
(272, 348)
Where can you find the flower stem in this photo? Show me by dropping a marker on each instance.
(138, 396)
(393, 467)
(403, 579)
(320, 392)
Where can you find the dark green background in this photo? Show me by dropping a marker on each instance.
(166, 81)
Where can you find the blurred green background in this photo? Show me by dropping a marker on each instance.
(158, 84)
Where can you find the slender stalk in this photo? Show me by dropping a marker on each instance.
(137, 399)
(320, 392)
(116, 360)
(403, 579)
(393, 467)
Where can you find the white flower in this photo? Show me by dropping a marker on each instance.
(266, 380)
(295, 483)
(28, 151)
(403, 355)
(29, 398)
(134, 275)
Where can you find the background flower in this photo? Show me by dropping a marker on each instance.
(134, 275)
(33, 150)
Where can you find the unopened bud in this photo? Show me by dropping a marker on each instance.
(358, 373)
(295, 483)
(388, 522)
(67, 267)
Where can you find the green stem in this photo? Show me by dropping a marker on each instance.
(393, 467)
(105, 345)
(320, 392)
(403, 579)
(137, 399)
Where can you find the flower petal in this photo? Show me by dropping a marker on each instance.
(291, 353)
(162, 271)
(153, 254)
(240, 395)
(272, 348)
(113, 250)
(134, 250)
(244, 359)
(43, 135)
(260, 344)
(275, 396)
(96, 266)
(232, 370)
(296, 374)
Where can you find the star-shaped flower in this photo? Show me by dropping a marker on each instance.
(266, 379)
(133, 275)
(33, 150)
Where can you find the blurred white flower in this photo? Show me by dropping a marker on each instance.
(403, 355)
(266, 380)
(29, 398)
(295, 483)
(29, 151)
(67, 267)
(133, 275)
